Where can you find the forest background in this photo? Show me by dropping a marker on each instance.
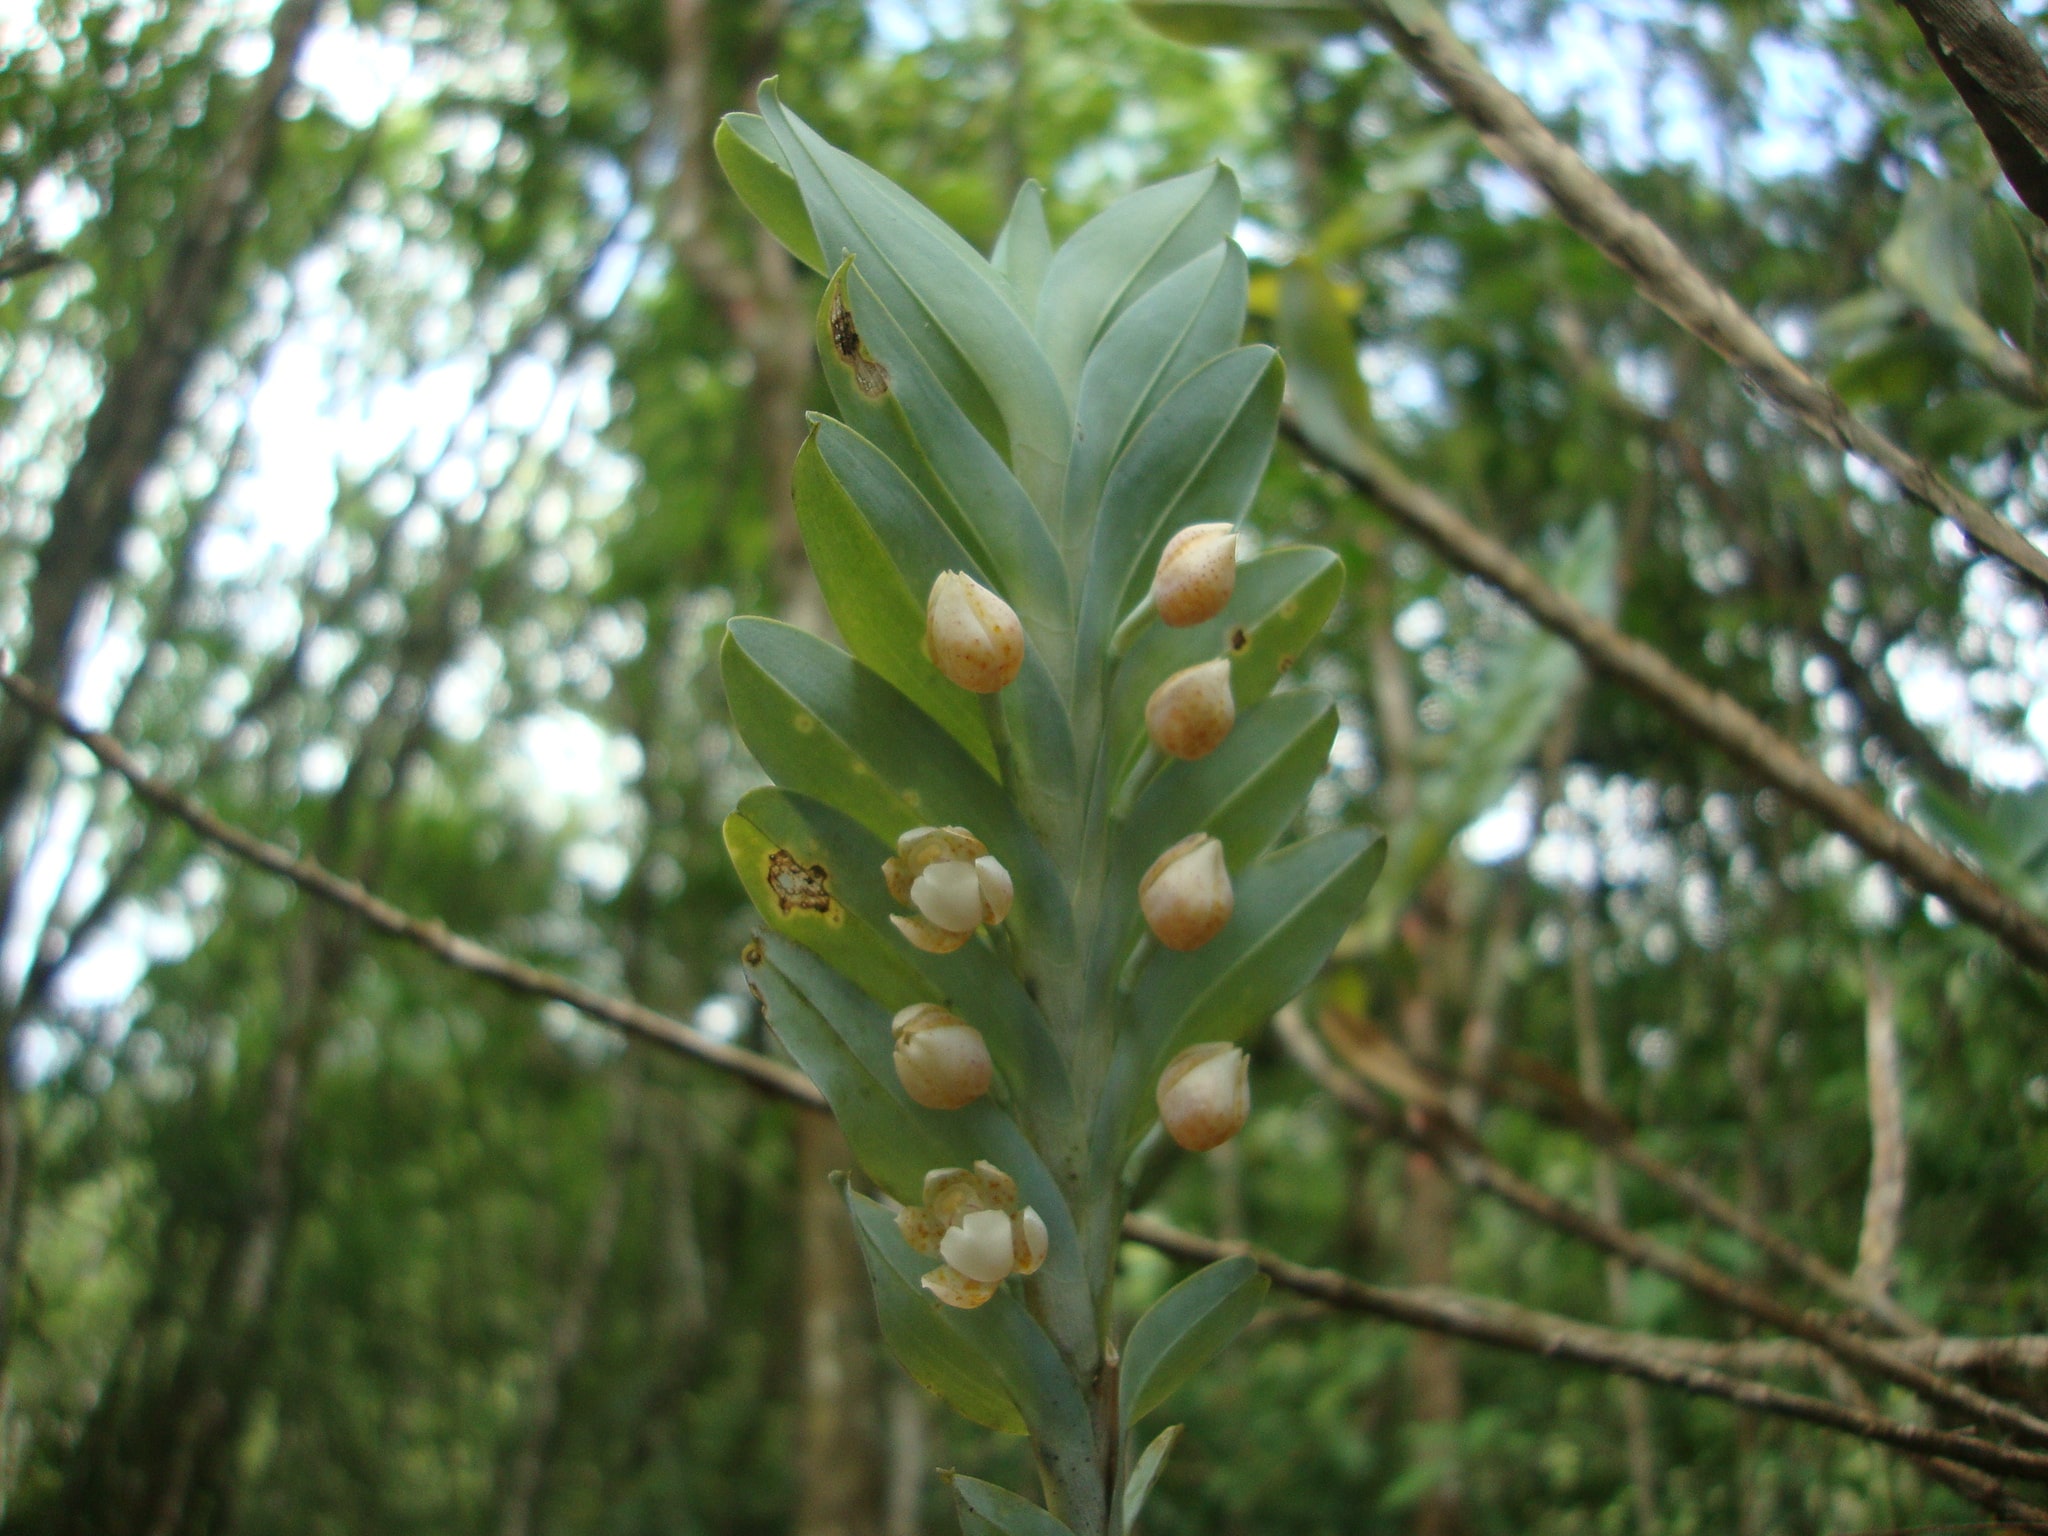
(393, 405)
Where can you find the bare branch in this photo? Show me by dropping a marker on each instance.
(1709, 713)
(453, 949)
(1663, 274)
(1435, 1134)
(2000, 79)
(1486, 1321)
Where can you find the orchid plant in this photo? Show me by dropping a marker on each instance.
(1017, 872)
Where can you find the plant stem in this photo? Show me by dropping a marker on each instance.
(999, 737)
(1134, 783)
(1133, 626)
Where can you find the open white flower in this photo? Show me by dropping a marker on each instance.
(956, 885)
(971, 1220)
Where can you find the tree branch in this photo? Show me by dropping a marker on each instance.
(1709, 713)
(1663, 274)
(1487, 1321)
(1429, 1131)
(453, 949)
(2002, 81)
(1877, 1245)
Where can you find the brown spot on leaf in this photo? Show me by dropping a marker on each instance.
(1238, 639)
(798, 887)
(869, 376)
(754, 954)
(1286, 663)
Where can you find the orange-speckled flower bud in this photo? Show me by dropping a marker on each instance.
(1205, 1095)
(1197, 573)
(1186, 895)
(1191, 712)
(972, 635)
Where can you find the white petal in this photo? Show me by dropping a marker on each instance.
(980, 1247)
(996, 890)
(949, 895)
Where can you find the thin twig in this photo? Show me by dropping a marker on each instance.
(1662, 273)
(2001, 79)
(461, 953)
(1709, 713)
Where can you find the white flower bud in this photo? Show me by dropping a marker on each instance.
(1205, 1095)
(1186, 895)
(1191, 712)
(1029, 1241)
(1197, 573)
(971, 635)
(941, 1059)
(980, 1247)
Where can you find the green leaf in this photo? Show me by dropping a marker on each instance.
(2007, 837)
(868, 564)
(1522, 687)
(1291, 908)
(877, 546)
(947, 1351)
(1931, 258)
(986, 1510)
(797, 890)
(827, 853)
(2005, 277)
(1120, 253)
(824, 725)
(841, 1040)
(1245, 794)
(983, 504)
(759, 172)
(969, 332)
(1314, 332)
(1145, 1475)
(1283, 599)
(1197, 459)
(1184, 1329)
(1248, 23)
(1191, 318)
(1024, 248)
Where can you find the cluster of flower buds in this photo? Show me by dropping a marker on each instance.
(1205, 1095)
(956, 885)
(970, 1220)
(941, 1059)
(971, 635)
(1186, 895)
(1197, 573)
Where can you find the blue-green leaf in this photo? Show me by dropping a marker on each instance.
(986, 1510)
(1245, 794)
(759, 172)
(1282, 601)
(969, 332)
(877, 546)
(1184, 1329)
(1145, 1474)
(1191, 318)
(1116, 256)
(826, 891)
(1198, 458)
(1291, 908)
(824, 725)
(983, 503)
(1024, 248)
